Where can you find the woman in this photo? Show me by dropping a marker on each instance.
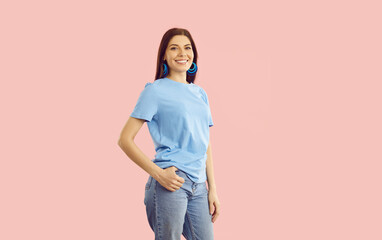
(178, 116)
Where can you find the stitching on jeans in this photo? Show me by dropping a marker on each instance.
(156, 212)
(191, 226)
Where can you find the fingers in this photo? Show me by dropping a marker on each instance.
(176, 185)
(211, 208)
(180, 179)
(180, 182)
(216, 212)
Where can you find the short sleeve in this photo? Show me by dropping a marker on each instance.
(205, 98)
(147, 105)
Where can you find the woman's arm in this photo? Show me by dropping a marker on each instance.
(127, 144)
(210, 170)
(213, 199)
(166, 177)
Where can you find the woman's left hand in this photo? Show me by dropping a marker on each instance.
(214, 204)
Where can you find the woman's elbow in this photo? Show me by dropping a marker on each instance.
(121, 142)
(124, 141)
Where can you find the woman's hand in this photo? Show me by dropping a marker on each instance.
(214, 204)
(170, 180)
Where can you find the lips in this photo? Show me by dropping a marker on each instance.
(182, 62)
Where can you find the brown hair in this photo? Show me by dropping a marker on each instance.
(163, 46)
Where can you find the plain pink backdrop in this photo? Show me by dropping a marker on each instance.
(295, 94)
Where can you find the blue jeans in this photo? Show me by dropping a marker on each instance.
(185, 211)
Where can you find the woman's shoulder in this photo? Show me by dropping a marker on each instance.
(154, 84)
(202, 91)
(150, 88)
(154, 88)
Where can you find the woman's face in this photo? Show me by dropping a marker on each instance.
(179, 48)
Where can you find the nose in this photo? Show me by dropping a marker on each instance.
(182, 52)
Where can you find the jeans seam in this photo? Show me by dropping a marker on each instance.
(191, 226)
(156, 213)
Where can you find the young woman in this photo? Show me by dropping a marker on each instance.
(178, 116)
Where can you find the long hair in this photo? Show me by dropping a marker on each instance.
(163, 46)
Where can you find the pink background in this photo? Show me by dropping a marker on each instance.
(295, 94)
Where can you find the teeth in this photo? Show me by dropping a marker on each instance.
(182, 61)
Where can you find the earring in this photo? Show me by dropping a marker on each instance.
(192, 72)
(164, 70)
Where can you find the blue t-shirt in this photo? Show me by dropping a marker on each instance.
(178, 117)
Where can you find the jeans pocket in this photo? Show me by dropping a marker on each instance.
(147, 188)
(148, 183)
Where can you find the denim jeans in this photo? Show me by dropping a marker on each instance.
(185, 211)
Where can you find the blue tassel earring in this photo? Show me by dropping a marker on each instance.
(165, 70)
(192, 71)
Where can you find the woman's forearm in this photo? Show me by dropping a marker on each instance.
(135, 154)
(210, 169)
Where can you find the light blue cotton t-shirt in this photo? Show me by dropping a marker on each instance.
(178, 117)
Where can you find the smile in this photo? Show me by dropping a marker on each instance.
(183, 62)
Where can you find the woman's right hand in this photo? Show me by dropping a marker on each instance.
(170, 180)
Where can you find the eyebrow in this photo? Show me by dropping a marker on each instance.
(178, 45)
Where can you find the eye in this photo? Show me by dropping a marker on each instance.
(175, 48)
